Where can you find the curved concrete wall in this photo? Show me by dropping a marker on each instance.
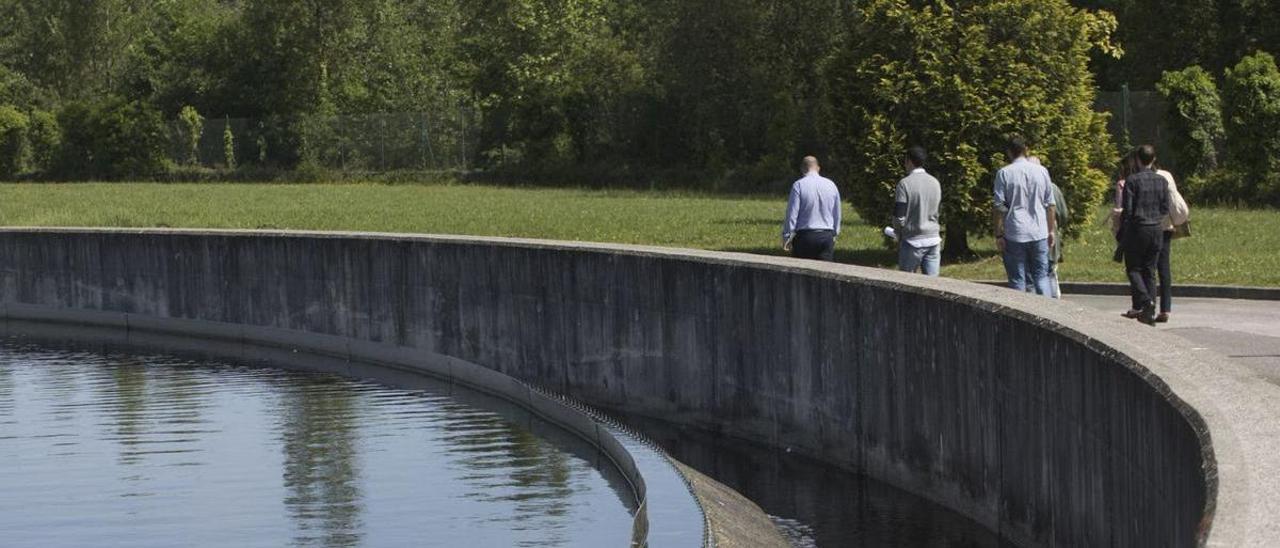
(1045, 423)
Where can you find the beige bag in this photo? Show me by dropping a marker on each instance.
(1179, 213)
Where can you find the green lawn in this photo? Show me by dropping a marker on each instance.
(1229, 247)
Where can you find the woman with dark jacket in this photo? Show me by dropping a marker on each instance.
(1178, 215)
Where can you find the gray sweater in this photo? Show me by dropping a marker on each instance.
(921, 194)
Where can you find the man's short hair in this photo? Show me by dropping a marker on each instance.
(810, 163)
(1146, 154)
(917, 156)
(1017, 146)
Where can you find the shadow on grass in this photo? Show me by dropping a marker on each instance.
(875, 257)
(747, 222)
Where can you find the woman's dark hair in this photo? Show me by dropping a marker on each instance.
(1129, 165)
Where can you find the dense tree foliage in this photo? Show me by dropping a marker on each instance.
(1251, 97)
(712, 93)
(959, 78)
(1164, 35)
(1194, 119)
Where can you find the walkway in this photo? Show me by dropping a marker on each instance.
(1245, 331)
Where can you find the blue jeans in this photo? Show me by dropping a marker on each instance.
(925, 259)
(1027, 264)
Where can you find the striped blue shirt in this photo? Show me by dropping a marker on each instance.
(814, 204)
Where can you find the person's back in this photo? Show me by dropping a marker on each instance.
(1145, 199)
(812, 219)
(817, 199)
(1146, 205)
(923, 195)
(1023, 218)
(1024, 188)
(915, 216)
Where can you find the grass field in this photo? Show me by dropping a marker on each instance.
(1229, 246)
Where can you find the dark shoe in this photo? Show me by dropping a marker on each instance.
(1148, 314)
(1163, 317)
(1132, 314)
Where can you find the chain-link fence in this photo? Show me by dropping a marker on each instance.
(1137, 118)
(365, 143)
(446, 141)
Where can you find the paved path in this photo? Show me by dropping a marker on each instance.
(1244, 331)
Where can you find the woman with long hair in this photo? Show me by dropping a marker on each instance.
(1129, 165)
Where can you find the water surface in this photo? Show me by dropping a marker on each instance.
(153, 450)
(816, 504)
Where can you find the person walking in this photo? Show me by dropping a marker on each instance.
(1178, 216)
(1024, 219)
(915, 216)
(1144, 207)
(1062, 215)
(812, 220)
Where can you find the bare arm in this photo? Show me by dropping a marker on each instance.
(1051, 213)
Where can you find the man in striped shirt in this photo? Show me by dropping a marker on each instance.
(812, 221)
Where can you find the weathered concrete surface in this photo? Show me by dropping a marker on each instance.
(734, 520)
(1246, 332)
(1048, 424)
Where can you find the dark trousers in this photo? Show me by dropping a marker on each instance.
(1166, 276)
(1141, 254)
(814, 244)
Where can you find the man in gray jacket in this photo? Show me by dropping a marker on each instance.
(915, 216)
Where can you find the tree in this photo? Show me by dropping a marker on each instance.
(111, 138)
(228, 145)
(740, 82)
(958, 78)
(550, 76)
(192, 124)
(13, 141)
(1251, 105)
(74, 49)
(44, 136)
(1194, 118)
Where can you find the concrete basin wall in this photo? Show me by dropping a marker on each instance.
(1045, 423)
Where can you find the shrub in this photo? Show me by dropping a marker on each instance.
(957, 78)
(192, 124)
(1251, 97)
(228, 145)
(44, 137)
(13, 141)
(111, 138)
(1194, 118)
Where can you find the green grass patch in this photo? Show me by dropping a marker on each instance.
(1229, 247)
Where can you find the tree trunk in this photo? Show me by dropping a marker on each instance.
(956, 247)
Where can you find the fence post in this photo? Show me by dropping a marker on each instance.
(1124, 111)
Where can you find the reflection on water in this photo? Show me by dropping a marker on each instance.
(318, 431)
(816, 504)
(115, 450)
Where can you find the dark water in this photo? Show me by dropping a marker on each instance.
(118, 450)
(816, 504)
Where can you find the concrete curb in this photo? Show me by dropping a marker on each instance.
(1241, 292)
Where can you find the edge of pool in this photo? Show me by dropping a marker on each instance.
(663, 515)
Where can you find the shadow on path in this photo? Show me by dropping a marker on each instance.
(876, 257)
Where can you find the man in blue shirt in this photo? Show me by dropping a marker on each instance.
(812, 222)
(1024, 219)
